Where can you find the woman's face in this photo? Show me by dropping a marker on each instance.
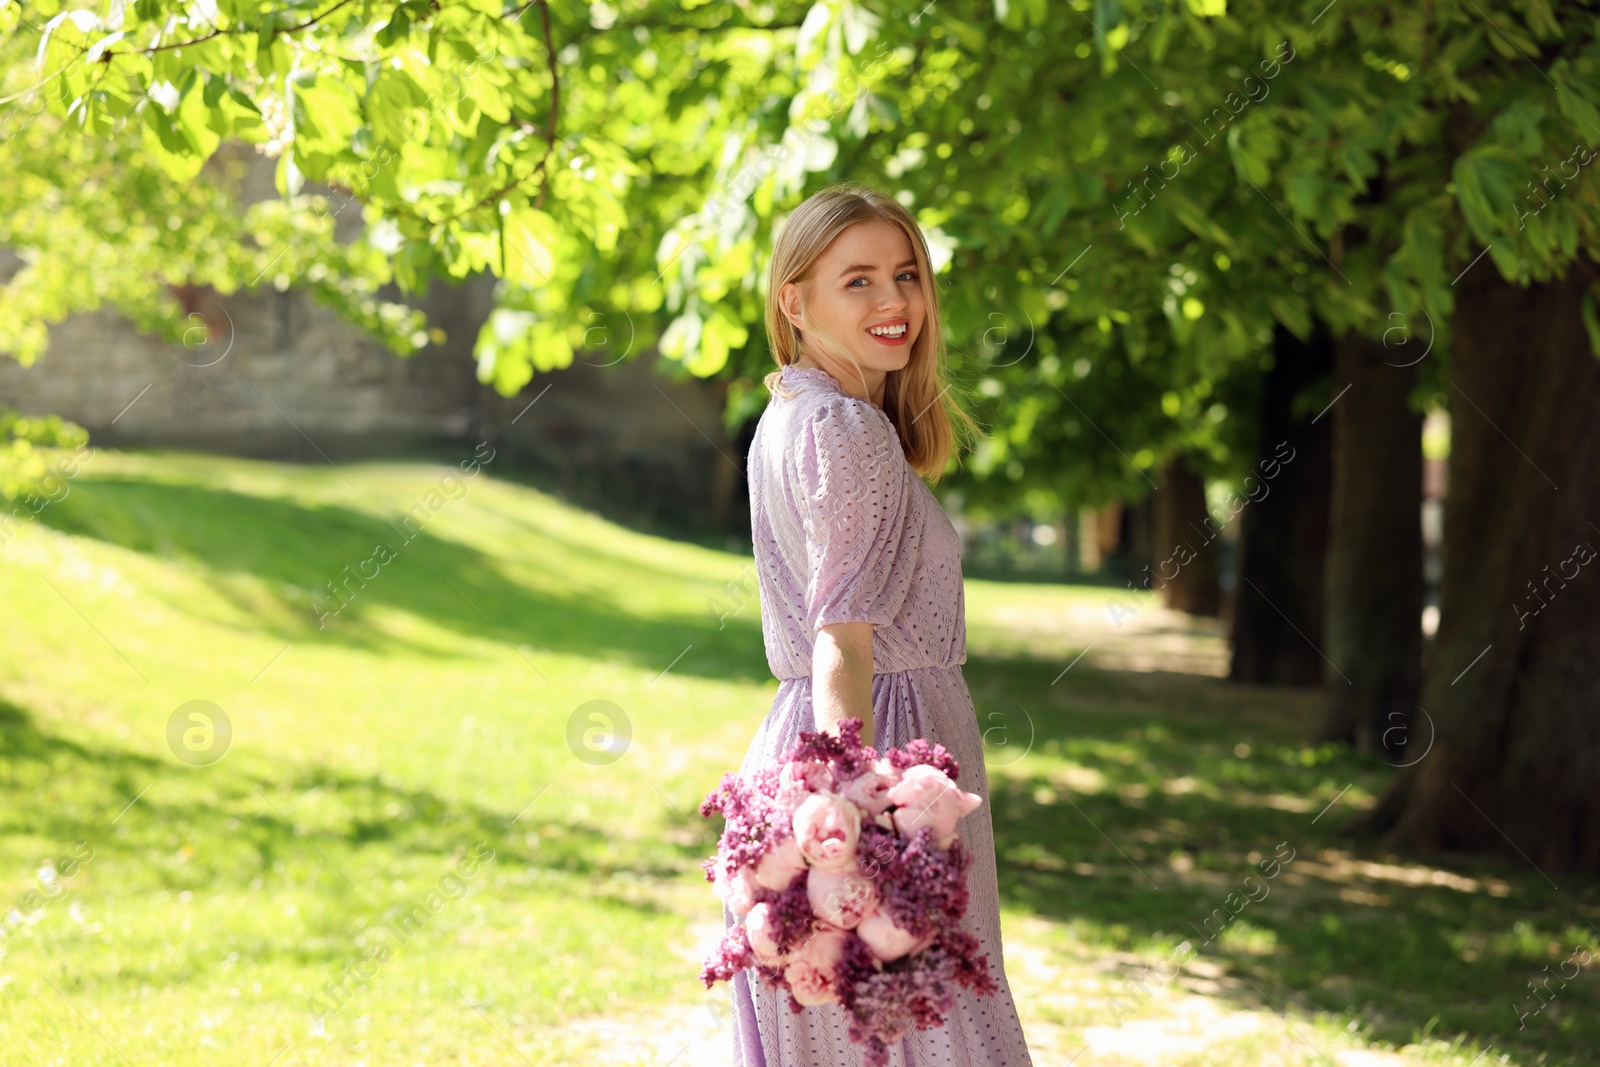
(864, 300)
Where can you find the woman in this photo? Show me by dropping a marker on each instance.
(860, 573)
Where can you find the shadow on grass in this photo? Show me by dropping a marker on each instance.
(1144, 801)
(1132, 814)
(166, 826)
(296, 549)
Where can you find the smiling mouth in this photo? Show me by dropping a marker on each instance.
(891, 333)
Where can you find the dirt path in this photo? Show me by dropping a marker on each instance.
(1068, 1014)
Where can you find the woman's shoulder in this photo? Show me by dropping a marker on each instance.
(843, 425)
(847, 444)
(819, 408)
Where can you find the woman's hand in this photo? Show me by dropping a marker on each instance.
(841, 677)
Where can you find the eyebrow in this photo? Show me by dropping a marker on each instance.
(857, 267)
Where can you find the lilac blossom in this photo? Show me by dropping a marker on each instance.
(919, 887)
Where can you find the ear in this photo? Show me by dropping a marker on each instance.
(789, 303)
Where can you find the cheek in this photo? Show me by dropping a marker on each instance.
(831, 307)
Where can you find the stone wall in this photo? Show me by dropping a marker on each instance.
(284, 373)
(284, 377)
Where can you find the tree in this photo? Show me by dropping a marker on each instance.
(1145, 236)
(527, 141)
(1373, 571)
(1512, 685)
(1279, 600)
(1497, 100)
(1182, 519)
(1479, 122)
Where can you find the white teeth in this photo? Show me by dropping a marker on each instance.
(888, 331)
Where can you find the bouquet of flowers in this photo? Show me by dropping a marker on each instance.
(851, 880)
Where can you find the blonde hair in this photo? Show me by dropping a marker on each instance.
(917, 398)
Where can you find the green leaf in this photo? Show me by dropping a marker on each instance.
(273, 56)
(1293, 313)
(1107, 17)
(393, 95)
(1196, 219)
(1509, 40)
(215, 87)
(549, 346)
(529, 239)
(1048, 210)
(721, 334)
(1572, 103)
(396, 29)
(1249, 156)
(172, 151)
(325, 113)
(193, 119)
(243, 101)
(1305, 192)
(502, 350)
(681, 341)
(711, 355)
(1591, 324)
(1486, 180)
(515, 342)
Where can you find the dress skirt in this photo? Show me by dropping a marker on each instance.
(980, 1031)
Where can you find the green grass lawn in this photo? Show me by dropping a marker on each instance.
(409, 855)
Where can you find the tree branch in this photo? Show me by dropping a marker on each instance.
(105, 57)
(550, 125)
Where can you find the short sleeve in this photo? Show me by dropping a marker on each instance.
(856, 489)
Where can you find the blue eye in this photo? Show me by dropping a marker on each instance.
(905, 274)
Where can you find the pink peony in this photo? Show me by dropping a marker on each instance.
(869, 789)
(812, 974)
(791, 793)
(761, 931)
(814, 775)
(887, 940)
(841, 897)
(925, 796)
(851, 883)
(777, 868)
(827, 827)
(737, 891)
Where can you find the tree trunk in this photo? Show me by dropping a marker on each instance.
(1108, 532)
(1283, 531)
(1185, 545)
(1513, 676)
(1136, 541)
(1373, 586)
(1071, 540)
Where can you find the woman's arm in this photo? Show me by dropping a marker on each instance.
(841, 676)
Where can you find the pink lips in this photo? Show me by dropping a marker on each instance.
(891, 342)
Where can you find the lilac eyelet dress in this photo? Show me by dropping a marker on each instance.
(846, 531)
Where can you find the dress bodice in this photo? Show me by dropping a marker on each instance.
(846, 531)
